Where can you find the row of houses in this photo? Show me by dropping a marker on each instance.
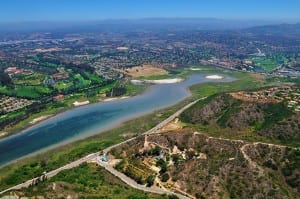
(10, 104)
(290, 94)
(15, 71)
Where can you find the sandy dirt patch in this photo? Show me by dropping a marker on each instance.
(257, 75)
(158, 81)
(36, 120)
(115, 98)
(195, 69)
(122, 48)
(40, 50)
(145, 70)
(214, 77)
(2, 134)
(81, 103)
(172, 126)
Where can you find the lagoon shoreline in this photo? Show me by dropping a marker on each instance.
(113, 120)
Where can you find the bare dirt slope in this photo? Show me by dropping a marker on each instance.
(208, 167)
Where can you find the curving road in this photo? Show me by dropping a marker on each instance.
(135, 185)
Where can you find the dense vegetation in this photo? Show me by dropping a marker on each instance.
(86, 181)
(4, 79)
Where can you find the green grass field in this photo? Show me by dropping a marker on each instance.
(244, 81)
(34, 79)
(268, 64)
(31, 92)
(94, 78)
(12, 115)
(81, 82)
(61, 86)
(107, 87)
(134, 89)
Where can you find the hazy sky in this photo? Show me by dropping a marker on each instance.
(75, 10)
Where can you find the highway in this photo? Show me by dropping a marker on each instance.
(94, 156)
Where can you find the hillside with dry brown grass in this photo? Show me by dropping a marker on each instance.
(226, 116)
(207, 167)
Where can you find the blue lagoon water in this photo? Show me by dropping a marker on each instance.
(95, 118)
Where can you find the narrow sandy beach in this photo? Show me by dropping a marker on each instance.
(158, 81)
(115, 98)
(76, 103)
(39, 119)
(214, 77)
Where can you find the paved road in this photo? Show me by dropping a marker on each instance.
(172, 117)
(157, 127)
(54, 172)
(133, 184)
(110, 169)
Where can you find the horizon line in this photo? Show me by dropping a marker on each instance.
(280, 20)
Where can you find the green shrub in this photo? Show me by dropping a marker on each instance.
(165, 177)
(150, 180)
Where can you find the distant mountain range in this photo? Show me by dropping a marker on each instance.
(276, 29)
(148, 23)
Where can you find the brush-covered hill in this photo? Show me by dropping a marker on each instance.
(193, 163)
(246, 118)
(210, 156)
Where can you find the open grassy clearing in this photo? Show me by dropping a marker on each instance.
(31, 92)
(34, 79)
(144, 71)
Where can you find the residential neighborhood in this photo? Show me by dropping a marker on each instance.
(10, 104)
(288, 94)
